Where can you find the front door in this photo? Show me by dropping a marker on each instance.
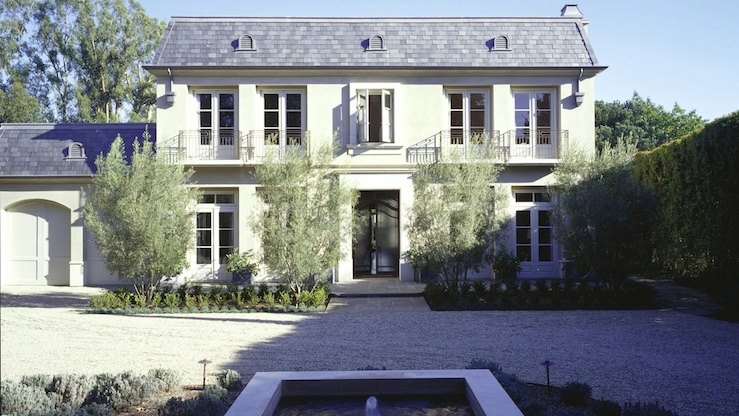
(376, 250)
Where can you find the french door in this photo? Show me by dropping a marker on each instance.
(535, 245)
(534, 119)
(215, 229)
(217, 125)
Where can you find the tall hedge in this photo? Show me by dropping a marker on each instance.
(696, 182)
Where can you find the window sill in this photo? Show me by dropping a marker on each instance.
(374, 149)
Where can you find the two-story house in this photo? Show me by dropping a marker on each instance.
(393, 93)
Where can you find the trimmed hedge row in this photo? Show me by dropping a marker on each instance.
(541, 295)
(194, 299)
(696, 182)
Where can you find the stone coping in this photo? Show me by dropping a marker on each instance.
(485, 395)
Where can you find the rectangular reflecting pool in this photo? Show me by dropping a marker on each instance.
(398, 392)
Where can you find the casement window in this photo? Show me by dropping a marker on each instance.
(375, 115)
(469, 115)
(284, 117)
(216, 117)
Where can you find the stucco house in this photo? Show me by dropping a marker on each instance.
(394, 92)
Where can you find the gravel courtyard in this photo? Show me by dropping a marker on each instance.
(689, 363)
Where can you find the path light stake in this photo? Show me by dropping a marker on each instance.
(205, 363)
(548, 364)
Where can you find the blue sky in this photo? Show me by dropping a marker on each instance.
(679, 51)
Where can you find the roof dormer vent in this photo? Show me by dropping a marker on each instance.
(246, 43)
(376, 43)
(499, 43)
(75, 151)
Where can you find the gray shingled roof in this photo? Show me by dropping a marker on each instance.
(33, 150)
(410, 42)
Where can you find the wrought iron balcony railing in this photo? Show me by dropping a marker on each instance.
(511, 146)
(192, 146)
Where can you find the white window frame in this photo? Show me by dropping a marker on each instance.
(466, 128)
(536, 268)
(282, 111)
(359, 127)
(533, 147)
(215, 269)
(215, 110)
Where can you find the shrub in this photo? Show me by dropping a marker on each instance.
(320, 296)
(263, 289)
(434, 294)
(124, 294)
(606, 408)
(253, 299)
(269, 299)
(20, 399)
(285, 299)
(172, 300)
(217, 297)
(73, 389)
(305, 298)
(125, 389)
(575, 394)
(169, 378)
(190, 301)
(156, 300)
(202, 300)
(229, 380)
(197, 290)
(139, 300)
(237, 299)
(506, 266)
(40, 381)
(645, 409)
(479, 289)
(208, 402)
(107, 300)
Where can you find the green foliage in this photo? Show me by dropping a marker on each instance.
(696, 181)
(107, 300)
(285, 299)
(506, 266)
(209, 402)
(269, 299)
(230, 380)
(73, 389)
(304, 209)
(172, 300)
(645, 409)
(575, 394)
(125, 390)
(141, 215)
(170, 379)
(21, 399)
(242, 263)
(453, 221)
(641, 121)
(17, 106)
(603, 212)
(83, 58)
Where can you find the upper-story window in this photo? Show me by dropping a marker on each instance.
(375, 115)
(535, 134)
(217, 117)
(469, 115)
(284, 117)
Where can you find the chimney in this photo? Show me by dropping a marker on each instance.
(571, 10)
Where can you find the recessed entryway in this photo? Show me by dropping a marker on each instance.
(376, 242)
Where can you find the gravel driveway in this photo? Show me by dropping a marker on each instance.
(689, 363)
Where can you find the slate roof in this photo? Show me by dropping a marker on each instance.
(40, 150)
(559, 42)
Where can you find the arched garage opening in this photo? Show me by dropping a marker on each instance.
(36, 244)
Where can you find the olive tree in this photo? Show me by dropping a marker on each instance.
(455, 219)
(603, 213)
(141, 215)
(304, 208)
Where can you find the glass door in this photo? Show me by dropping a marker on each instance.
(215, 236)
(535, 246)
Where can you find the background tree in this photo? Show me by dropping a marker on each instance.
(304, 209)
(141, 215)
(642, 121)
(81, 59)
(17, 106)
(453, 221)
(603, 213)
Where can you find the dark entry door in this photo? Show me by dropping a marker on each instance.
(377, 237)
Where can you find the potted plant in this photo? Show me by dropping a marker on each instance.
(241, 265)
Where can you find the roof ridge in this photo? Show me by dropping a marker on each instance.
(199, 19)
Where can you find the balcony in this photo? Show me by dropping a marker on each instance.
(212, 147)
(508, 147)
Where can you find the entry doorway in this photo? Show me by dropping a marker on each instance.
(376, 242)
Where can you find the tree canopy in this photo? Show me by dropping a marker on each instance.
(81, 59)
(642, 121)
